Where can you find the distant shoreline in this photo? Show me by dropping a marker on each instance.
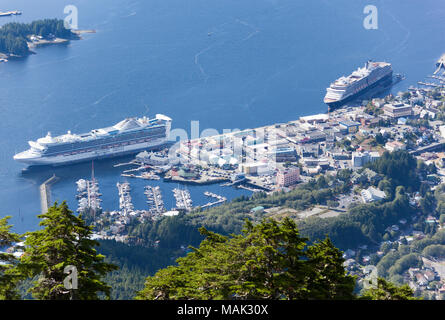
(36, 42)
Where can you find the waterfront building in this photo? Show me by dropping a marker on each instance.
(152, 158)
(322, 117)
(253, 168)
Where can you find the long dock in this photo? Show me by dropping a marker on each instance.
(220, 199)
(45, 193)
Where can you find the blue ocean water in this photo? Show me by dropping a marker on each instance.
(226, 63)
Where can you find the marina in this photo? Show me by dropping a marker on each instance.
(107, 111)
(88, 196)
(154, 200)
(219, 199)
(125, 202)
(183, 199)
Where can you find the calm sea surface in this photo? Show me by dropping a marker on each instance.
(229, 64)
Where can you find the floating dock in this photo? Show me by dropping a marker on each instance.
(125, 202)
(154, 199)
(219, 199)
(183, 199)
(45, 193)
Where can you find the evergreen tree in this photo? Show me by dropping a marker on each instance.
(8, 276)
(388, 291)
(64, 241)
(267, 261)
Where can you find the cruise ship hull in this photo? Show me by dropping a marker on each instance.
(385, 81)
(96, 154)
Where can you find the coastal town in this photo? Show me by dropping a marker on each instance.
(203, 151)
(279, 157)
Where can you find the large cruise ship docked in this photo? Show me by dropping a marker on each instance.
(128, 136)
(348, 88)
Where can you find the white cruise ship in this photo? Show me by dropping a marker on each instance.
(347, 88)
(131, 135)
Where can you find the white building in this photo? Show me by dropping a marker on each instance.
(372, 194)
(394, 146)
(359, 159)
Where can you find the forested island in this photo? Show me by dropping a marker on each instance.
(17, 38)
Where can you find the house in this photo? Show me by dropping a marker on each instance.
(349, 264)
(412, 272)
(429, 275)
(394, 146)
(348, 254)
(372, 176)
(366, 259)
(258, 209)
(358, 178)
(421, 279)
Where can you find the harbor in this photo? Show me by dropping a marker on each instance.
(88, 196)
(125, 202)
(154, 200)
(183, 199)
(219, 199)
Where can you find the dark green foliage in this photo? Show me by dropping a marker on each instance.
(388, 291)
(8, 276)
(166, 233)
(13, 36)
(410, 260)
(399, 166)
(267, 261)
(434, 251)
(63, 241)
(135, 263)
